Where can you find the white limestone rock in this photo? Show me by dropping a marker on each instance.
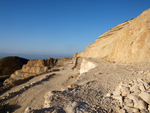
(147, 86)
(47, 101)
(128, 102)
(27, 110)
(135, 89)
(119, 98)
(122, 111)
(108, 95)
(131, 109)
(145, 96)
(86, 66)
(125, 91)
(140, 81)
(138, 102)
(141, 87)
(117, 92)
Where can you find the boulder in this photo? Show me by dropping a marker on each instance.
(131, 109)
(145, 96)
(138, 102)
(117, 92)
(125, 91)
(86, 66)
(128, 102)
(47, 101)
(135, 89)
(119, 98)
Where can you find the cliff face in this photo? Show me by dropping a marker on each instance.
(128, 42)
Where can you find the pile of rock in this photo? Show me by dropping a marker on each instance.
(133, 96)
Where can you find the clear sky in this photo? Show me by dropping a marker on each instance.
(38, 29)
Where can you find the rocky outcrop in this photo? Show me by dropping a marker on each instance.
(86, 66)
(133, 96)
(128, 42)
(33, 68)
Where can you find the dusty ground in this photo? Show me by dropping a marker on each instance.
(93, 86)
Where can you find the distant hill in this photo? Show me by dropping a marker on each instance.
(9, 65)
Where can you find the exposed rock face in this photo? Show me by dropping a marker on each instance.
(32, 68)
(86, 66)
(128, 42)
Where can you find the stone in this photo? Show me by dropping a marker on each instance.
(146, 85)
(128, 102)
(73, 86)
(119, 98)
(141, 87)
(108, 95)
(86, 66)
(140, 81)
(135, 89)
(149, 108)
(144, 111)
(138, 102)
(47, 101)
(131, 109)
(27, 110)
(145, 96)
(122, 111)
(117, 92)
(125, 91)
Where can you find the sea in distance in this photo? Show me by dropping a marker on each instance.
(33, 56)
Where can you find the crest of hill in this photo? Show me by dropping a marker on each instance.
(9, 65)
(128, 42)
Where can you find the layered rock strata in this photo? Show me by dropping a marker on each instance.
(128, 42)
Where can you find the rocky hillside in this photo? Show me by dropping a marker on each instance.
(9, 65)
(31, 69)
(128, 42)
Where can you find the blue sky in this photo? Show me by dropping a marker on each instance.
(38, 29)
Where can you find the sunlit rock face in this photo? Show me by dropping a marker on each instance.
(86, 66)
(128, 42)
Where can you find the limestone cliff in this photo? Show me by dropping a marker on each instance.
(128, 42)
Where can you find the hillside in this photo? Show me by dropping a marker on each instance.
(9, 65)
(128, 42)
